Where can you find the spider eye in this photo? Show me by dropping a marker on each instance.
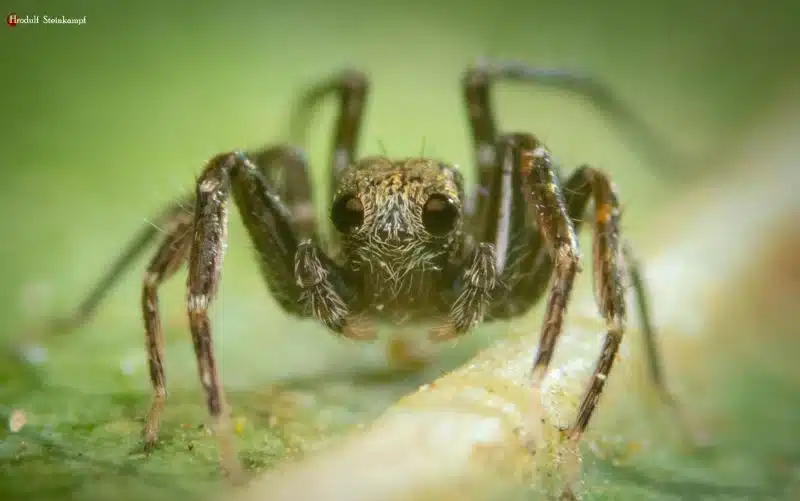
(347, 213)
(439, 215)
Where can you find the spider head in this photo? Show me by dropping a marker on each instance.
(407, 211)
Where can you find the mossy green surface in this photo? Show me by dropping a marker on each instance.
(104, 123)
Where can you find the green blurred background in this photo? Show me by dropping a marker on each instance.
(107, 122)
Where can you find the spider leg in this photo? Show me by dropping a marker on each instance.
(608, 267)
(287, 171)
(529, 265)
(651, 346)
(169, 257)
(473, 297)
(350, 87)
(542, 188)
(287, 167)
(493, 268)
(545, 198)
(612, 259)
(654, 358)
(137, 245)
(523, 260)
(295, 188)
(292, 269)
(477, 83)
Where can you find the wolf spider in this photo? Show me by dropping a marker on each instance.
(411, 246)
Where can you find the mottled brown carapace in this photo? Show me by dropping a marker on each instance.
(411, 244)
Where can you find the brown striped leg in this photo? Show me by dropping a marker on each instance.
(544, 195)
(293, 270)
(167, 260)
(543, 191)
(609, 291)
(583, 185)
(612, 259)
(351, 88)
(205, 267)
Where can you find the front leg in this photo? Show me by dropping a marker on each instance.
(325, 295)
(474, 294)
(274, 237)
(544, 197)
(295, 272)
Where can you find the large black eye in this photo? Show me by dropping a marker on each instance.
(347, 213)
(439, 215)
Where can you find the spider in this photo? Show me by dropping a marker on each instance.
(411, 245)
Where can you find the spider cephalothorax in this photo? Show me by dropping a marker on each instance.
(400, 228)
(407, 247)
